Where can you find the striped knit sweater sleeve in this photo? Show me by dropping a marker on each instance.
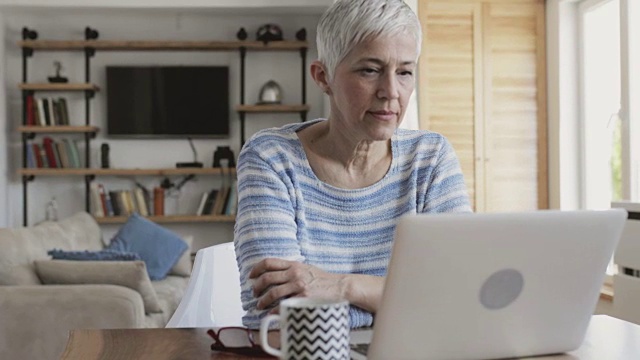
(285, 211)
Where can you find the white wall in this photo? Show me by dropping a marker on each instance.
(296, 5)
(285, 68)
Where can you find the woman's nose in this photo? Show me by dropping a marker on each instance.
(388, 87)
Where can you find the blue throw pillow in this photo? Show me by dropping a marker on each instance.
(158, 247)
(86, 255)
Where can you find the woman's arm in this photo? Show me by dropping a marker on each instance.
(265, 224)
(274, 279)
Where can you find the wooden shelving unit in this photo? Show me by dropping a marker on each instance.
(272, 108)
(160, 45)
(90, 46)
(126, 172)
(171, 219)
(60, 129)
(58, 87)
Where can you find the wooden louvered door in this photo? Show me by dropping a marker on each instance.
(482, 85)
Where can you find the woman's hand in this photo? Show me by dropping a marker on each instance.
(276, 279)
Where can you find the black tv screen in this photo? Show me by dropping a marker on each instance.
(168, 101)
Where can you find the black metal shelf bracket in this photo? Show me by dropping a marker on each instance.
(91, 34)
(243, 56)
(28, 34)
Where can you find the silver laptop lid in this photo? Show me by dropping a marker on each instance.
(478, 286)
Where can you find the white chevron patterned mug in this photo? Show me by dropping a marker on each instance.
(310, 329)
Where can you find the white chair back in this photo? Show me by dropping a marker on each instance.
(626, 284)
(212, 298)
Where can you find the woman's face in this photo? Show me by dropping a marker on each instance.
(371, 87)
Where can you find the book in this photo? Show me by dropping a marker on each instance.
(41, 117)
(124, 205)
(37, 155)
(30, 115)
(69, 152)
(31, 161)
(96, 202)
(108, 202)
(140, 202)
(56, 154)
(103, 199)
(211, 200)
(55, 106)
(221, 200)
(75, 153)
(131, 204)
(35, 112)
(232, 202)
(47, 143)
(52, 113)
(43, 157)
(45, 106)
(203, 201)
(158, 201)
(62, 151)
(64, 111)
(113, 196)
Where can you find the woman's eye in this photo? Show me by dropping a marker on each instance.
(368, 71)
(406, 73)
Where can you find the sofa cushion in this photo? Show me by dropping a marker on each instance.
(83, 232)
(131, 274)
(20, 247)
(184, 264)
(157, 246)
(170, 291)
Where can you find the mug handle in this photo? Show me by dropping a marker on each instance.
(264, 330)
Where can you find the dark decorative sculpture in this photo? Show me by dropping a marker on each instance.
(301, 35)
(242, 34)
(104, 152)
(223, 152)
(58, 78)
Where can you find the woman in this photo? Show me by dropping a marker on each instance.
(318, 201)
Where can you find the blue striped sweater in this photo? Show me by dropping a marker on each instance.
(285, 211)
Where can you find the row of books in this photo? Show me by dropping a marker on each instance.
(223, 201)
(53, 154)
(121, 202)
(105, 203)
(47, 111)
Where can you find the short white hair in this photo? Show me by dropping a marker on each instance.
(348, 23)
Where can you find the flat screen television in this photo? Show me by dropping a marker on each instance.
(168, 101)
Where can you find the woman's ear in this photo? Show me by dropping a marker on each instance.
(320, 76)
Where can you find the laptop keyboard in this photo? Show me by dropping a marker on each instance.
(360, 348)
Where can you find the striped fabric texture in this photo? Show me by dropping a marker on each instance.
(285, 211)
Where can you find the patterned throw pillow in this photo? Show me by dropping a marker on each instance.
(86, 255)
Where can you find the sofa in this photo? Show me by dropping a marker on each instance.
(41, 299)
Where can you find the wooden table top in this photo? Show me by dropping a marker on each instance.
(607, 338)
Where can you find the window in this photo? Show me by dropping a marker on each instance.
(609, 61)
(601, 100)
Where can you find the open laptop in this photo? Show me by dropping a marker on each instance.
(488, 286)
